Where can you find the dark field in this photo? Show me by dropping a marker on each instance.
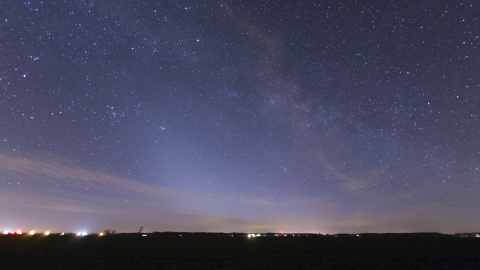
(209, 251)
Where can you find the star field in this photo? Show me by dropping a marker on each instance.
(307, 116)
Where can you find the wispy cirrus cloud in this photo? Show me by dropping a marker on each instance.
(155, 205)
(56, 172)
(357, 179)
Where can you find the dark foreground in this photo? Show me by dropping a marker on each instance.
(198, 251)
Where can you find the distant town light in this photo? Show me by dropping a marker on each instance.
(19, 232)
(5, 232)
(251, 235)
(47, 233)
(31, 232)
(100, 234)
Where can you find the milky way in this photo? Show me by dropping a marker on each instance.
(302, 116)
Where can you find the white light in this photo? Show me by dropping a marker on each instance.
(100, 234)
(84, 233)
(5, 232)
(251, 235)
(31, 232)
(144, 235)
(19, 232)
(47, 233)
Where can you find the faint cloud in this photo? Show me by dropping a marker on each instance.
(256, 201)
(64, 202)
(357, 179)
(55, 172)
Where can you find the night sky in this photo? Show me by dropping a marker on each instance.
(246, 116)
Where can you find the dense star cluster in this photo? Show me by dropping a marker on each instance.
(304, 116)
